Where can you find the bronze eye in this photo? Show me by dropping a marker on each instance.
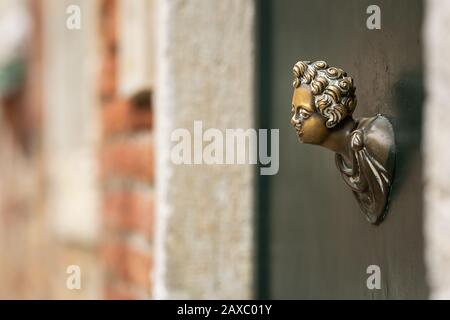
(304, 114)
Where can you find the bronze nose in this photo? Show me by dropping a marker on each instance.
(295, 121)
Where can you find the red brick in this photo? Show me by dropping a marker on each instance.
(108, 78)
(108, 35)
(108, 22)
(127, 212)
(139, 266)
(127, 265)
(113, 257)
(128, 158)
(124, 116)
(117, 292)
(131, 211)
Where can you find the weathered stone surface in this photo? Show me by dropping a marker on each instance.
(204, 230)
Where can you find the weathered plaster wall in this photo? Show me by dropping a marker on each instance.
(204, 223)
(436, 147)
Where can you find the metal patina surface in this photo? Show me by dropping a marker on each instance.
(322, 113)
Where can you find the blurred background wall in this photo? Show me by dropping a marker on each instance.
(77, 174)
(70, 139)
(25, 245)
(127, 151)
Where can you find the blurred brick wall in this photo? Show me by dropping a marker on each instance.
(127, 173)
(33, 259)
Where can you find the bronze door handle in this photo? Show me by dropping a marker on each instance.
(322, 114)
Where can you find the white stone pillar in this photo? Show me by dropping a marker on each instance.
(204, 223)
(71, 121)
(436, 146)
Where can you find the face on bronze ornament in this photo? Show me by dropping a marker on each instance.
(309, 124)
